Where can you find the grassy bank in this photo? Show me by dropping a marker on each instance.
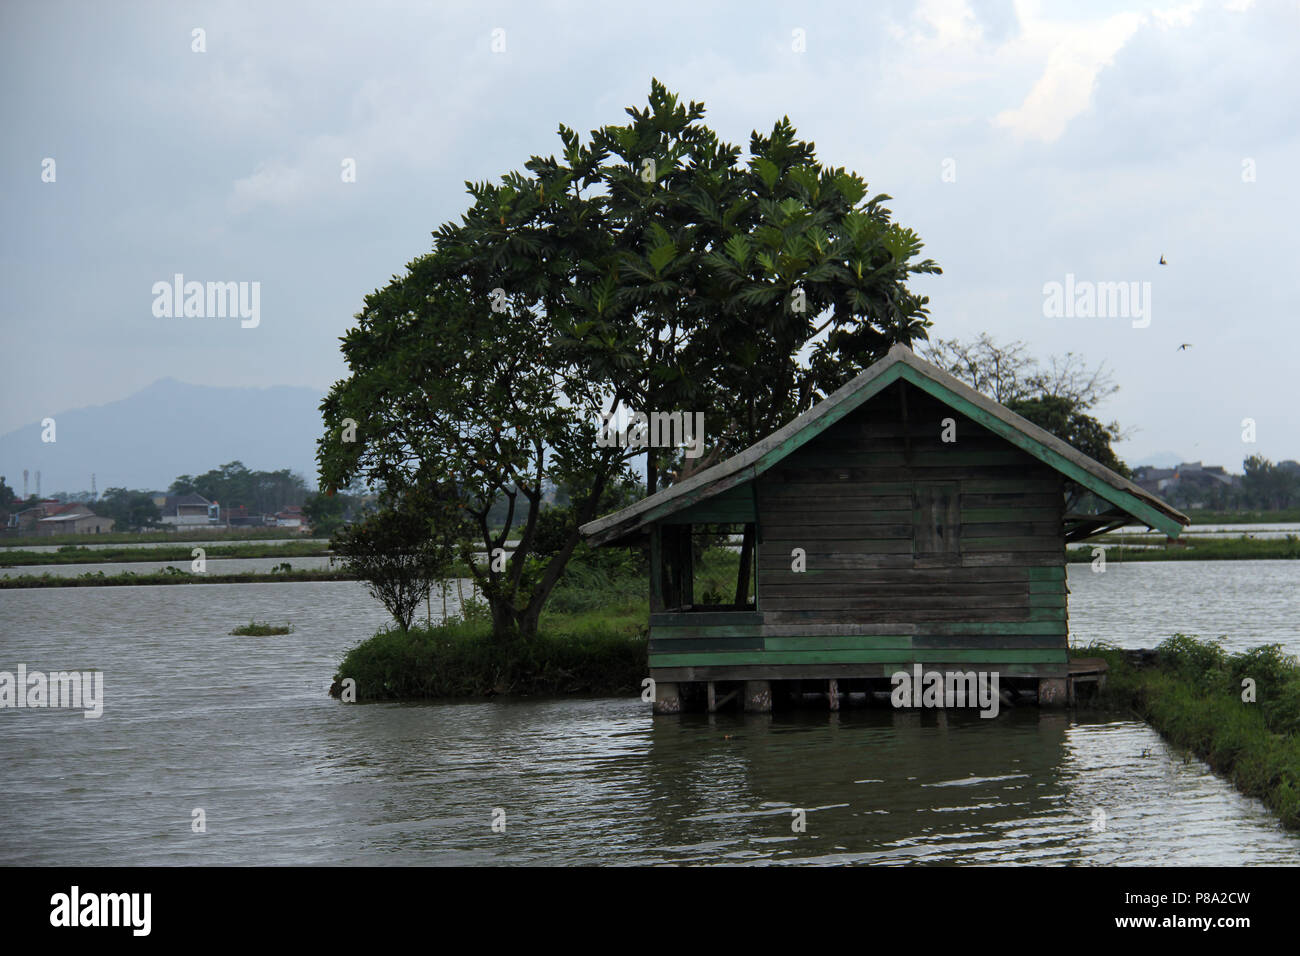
(1285, 516)
(150, 537)
(591, 640)
(1193, 697)
(98, 579)
(1205, 549)
(71, 554)
(460, 659)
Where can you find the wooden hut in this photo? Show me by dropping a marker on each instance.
(906, 519)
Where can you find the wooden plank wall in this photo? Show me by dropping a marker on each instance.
(872, 593)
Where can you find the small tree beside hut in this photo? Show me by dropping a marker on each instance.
(403, 549)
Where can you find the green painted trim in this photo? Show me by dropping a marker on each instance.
(838, 643)
(1056, 573)
(1121, 499)
(900, 657)
(706, 645)
(1055, 624)
(851, 404)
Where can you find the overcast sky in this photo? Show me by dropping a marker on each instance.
(1081, 138)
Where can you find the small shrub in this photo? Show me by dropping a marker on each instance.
(262, 629)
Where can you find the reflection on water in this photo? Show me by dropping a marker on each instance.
(242, 727)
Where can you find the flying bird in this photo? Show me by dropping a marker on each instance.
(1162, 260)
(1185, 346)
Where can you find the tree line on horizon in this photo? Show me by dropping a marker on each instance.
(232, 485)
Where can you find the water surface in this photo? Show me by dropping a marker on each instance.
(243, 728)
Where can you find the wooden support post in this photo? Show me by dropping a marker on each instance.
(833, 693)
(713, 700)
(667, 699)
(1052, 691)
(758, 697)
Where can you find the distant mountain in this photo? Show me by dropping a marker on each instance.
(167, 429)
(1163, 459)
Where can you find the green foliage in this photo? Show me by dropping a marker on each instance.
(460, 659)
(8, 501)
(74, 554)
(234, 485)
(646, 269)
(166, 576)
(130, 510)
(1193, 548)
(1194, 698)
(1265, 485)
(1064, 419)
(403, 549)
(262, 629)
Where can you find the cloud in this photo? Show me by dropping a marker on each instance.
(1075, 52)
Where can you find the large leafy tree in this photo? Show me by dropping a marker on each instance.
(128, 509)
(1268, 486)
(234, 484)
(645, 269)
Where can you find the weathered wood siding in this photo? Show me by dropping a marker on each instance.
(916, 550)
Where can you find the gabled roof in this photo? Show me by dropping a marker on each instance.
(900, 364)
(186, 500)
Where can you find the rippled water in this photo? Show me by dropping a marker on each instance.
(1244, 603)
(243, 728)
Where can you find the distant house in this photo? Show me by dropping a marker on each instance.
(24, 522)
(187, 510)
(240, 517)
(290, 517)
(1189, 478)
(1154, 480)
(53, 517)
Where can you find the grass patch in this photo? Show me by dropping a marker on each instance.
(72, 554)
(147, 537)
(1193, 697)
(592, 639)
(1207, 549)
(1200, 516)
(586, 655)
(261, 629)
(96, 579)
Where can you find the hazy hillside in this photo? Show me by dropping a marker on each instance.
(164, 430)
